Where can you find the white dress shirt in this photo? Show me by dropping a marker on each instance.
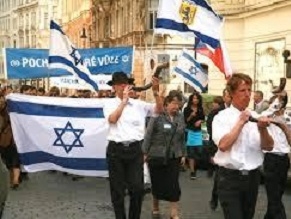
(245, 153)
(131, 124)
(281, 145)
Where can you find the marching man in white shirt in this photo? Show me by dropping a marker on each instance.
(126, 117)
(276, 162)
(239, 156)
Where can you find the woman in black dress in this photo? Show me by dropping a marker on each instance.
(164, 150)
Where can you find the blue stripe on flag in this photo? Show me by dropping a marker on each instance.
(82, 75)
(204, 4)
(190, 78)
(181, 27)
(53, 110)
(197, 65)
(37, 157)
(55, 26)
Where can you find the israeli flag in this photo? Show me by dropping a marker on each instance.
(191, 71)
(56, 133)
(64, 55)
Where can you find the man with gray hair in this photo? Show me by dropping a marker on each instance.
(260, 104)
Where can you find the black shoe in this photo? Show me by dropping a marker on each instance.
(193, 175)
(76, 178)
(213, 205)
(147, 188)
(15, 186)
(23, 176)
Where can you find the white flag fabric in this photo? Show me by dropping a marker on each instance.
(65, 134)
(190, 71)
(189, 18)
(64, 55)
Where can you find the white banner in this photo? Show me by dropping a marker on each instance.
(72, 82)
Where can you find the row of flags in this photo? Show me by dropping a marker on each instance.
(70, 134)
(188, 18)
(195, 19)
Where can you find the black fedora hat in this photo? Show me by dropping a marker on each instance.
(119, 78)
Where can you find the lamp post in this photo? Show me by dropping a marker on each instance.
(83, 37)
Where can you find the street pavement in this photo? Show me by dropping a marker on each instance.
(55, 196)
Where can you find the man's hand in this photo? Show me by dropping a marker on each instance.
(244, 116)
(264, 122)
(127, 89)
(183, 161)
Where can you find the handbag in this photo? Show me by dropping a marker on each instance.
(194, 138)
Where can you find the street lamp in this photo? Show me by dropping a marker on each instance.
(83, 37)
(286, 54)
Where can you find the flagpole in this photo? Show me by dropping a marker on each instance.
(195, 45)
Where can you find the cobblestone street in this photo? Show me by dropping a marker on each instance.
(53, 195)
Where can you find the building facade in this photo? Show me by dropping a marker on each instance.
(77, 21)
(25, 24)
(255, 33)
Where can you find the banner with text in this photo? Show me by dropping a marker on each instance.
(33, 63)
(72, 82)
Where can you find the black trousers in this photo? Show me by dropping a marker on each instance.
(214, 193)
(125, 165)
(237, 192)
(275, 170)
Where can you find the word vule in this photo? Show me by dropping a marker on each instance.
(101, 61)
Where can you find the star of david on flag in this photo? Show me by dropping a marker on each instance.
(64, 134)
(191, 72)
(63, 55)
(73, 141)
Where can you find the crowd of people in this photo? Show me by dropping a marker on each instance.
(167, 135)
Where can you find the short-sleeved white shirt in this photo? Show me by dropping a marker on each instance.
(131, 124)
(246, 153)
(281, 145)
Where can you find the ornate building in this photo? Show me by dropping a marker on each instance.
(77, 21)
(131, 23)
(255, 32)
(25, 24)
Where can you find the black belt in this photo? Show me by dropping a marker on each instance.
(276, 154)
(237, 172)
(125, 143)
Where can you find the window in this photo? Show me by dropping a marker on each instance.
(33, 19)
(188, 88)
(14, 23)
(27, 20)
(153, 4)
(107, 27)
(46, 23)
(21, 42)
(27, 41)
(33, 41)
(14, 44)
(21, 21)
(152, 19)
(153, 12)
